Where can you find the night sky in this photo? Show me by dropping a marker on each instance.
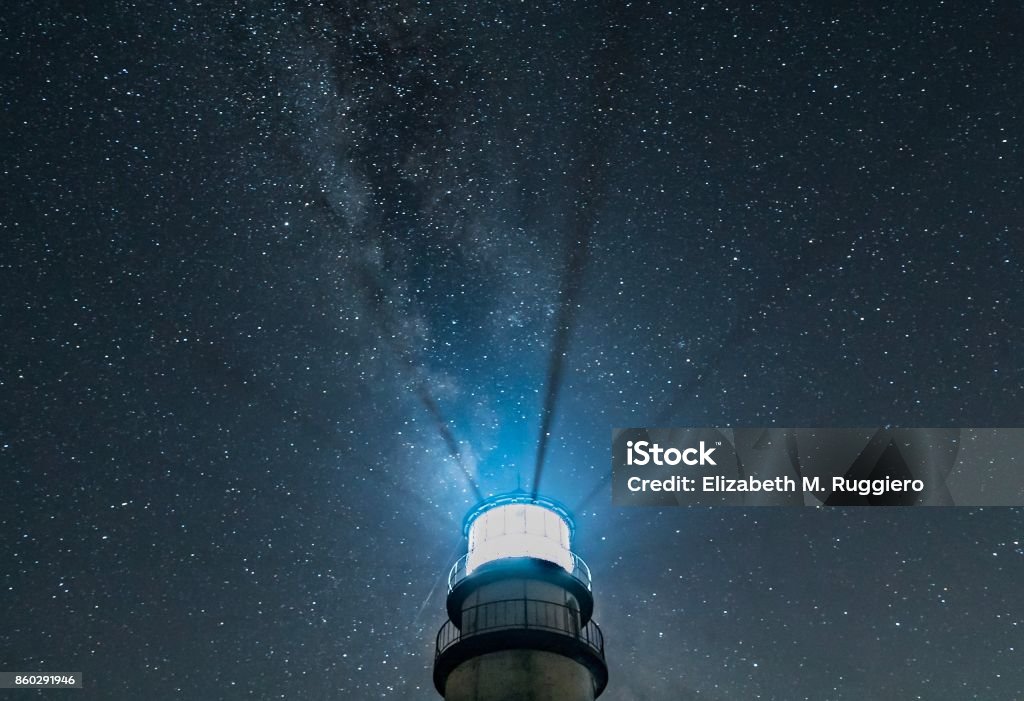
(276, 277)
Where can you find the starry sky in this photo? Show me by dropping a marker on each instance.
(285, 285)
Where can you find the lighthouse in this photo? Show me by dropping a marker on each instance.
(519, 609)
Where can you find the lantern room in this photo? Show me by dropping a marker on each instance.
(519, 525)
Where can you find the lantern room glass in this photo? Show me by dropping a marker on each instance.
(519, 530)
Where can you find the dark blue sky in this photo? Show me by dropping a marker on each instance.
(255, 252)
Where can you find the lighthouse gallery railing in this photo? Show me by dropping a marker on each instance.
(579, 570)
(521, 614)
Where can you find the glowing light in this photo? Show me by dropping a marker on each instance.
(519, 530)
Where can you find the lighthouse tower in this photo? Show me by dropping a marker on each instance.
(519, 609)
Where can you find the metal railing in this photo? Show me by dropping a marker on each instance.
(579, 570)
(521, 614)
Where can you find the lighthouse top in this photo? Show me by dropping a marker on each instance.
(518, 524)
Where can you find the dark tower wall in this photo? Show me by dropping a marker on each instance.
(520, 675)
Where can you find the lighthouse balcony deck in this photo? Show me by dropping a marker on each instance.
(528, 624)
(579, 571)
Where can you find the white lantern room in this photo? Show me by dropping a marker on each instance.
(519, 525)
